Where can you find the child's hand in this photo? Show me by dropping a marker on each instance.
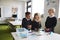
(47, 29)
(29, 26)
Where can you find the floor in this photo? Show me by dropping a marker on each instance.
(5, 33)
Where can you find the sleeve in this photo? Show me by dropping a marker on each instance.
(34, 25)
(24, 24)
(30, 22)
(55, 22)
(46, 22)
(40, 25)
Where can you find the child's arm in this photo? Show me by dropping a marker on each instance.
(55, 22)
(24, 25)
(46, 22)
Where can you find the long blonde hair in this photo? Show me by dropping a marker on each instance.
(36, 14)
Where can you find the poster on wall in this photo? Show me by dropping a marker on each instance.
(14, 10)
(0, 12)
(51, 2)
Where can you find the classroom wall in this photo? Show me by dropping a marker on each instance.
(57, 29)
(7, 6)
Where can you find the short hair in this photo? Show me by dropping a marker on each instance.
(27, 13)
(52, 9)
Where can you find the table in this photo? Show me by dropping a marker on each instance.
(13, 24)
(53, 36)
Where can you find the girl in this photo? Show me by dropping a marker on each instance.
(36, 23)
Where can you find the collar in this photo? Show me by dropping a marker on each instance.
(36, 20)
(51, 16)
(27, 19)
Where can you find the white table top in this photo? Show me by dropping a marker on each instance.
(15, 22)
(53, 36)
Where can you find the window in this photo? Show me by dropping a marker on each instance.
(29, 9)
(29, 3)
(0, 12)
(34, 6)
(29, 6)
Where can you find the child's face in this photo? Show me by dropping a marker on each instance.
(51, 12)
(28, 16)
(37, 17)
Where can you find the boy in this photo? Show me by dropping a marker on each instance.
(51, 20)
(26, 22)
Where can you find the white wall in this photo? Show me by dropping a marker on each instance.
(59, 10)
(8, 5)
(57, 29)
(37, 7)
